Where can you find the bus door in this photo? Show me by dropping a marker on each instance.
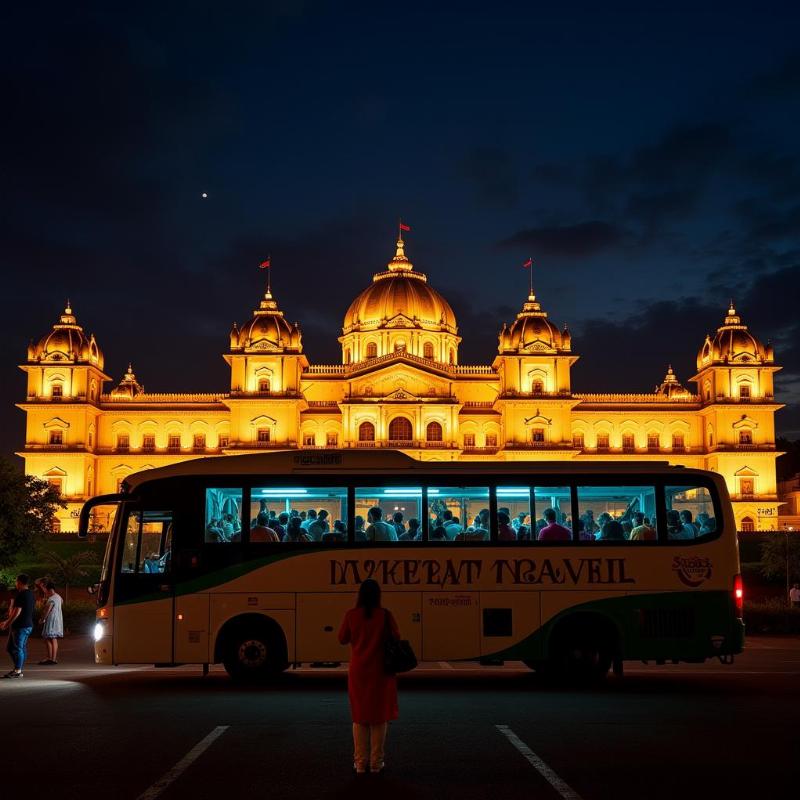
(143, 594)
(450, 623)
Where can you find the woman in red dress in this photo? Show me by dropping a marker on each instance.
(372, 691)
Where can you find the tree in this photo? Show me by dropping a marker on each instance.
(773, 556)
(27, 510)
(68, 570)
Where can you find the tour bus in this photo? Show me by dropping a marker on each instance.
(185, 581)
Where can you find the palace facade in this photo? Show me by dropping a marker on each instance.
(400, 385)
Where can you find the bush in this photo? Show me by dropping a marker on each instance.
(771, 616)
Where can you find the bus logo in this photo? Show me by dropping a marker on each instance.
(692, 571)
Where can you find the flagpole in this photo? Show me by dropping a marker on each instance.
(530, 277)
(269, 274)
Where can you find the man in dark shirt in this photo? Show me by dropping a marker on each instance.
(20, 624)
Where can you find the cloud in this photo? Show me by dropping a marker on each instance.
(672, 331)
(579, 240)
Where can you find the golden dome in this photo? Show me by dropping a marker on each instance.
(67, 342)
(733, 344)
(400, 298)
(671, 386)
(532, 331)
(266, 331)
(128, 386)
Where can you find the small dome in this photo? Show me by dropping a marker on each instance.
(400, 298)
(532, 331)
(266, 331)
(128, 386)
(671, 386)
(733, 344)
(67, 342)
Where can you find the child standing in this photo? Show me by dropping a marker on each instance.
(52, 623)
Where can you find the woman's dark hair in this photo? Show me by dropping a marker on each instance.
(369, 597)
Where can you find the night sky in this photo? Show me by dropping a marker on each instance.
(645, 155)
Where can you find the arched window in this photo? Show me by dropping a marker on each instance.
(537, 386)
(57, 390)
(653, 442)
(577, 440)
(55, 525)
(199, 441)
(427, 350)
(748, 525)
(678, 442)
(399, 345)
(537, 436)
(366, 432)
(745, 436)
(744, 391)
(433, 433)
(93, 391)
(400, 430)
(628, 442)
(372, 350)
(263, 385)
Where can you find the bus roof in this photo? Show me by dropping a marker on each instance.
(289, 462)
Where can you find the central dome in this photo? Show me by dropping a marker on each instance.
(399, 298)
(400, 313)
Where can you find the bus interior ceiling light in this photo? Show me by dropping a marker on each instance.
(284, 492)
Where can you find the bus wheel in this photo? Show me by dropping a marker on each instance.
(253, 655)
(581, 653)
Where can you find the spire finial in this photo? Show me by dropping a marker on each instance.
(68, 309)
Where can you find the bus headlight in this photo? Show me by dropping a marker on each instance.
(99, 631)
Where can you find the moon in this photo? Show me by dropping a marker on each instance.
(204, 195)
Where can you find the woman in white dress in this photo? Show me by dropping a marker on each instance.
(52, 623)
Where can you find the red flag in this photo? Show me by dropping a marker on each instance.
(528, 263)
(404, 227)
(265, 264)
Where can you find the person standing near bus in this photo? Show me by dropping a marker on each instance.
(372, 691)
(20, 621)
(52, 623)
(794, 595)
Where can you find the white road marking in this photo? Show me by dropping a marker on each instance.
(445, 665)
(169, 777)
(563, 788)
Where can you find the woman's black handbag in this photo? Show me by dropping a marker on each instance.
(398, 655)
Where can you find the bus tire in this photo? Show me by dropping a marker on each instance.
(582, 649)
(252, 653)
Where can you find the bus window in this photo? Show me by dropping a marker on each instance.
(386, 512)
(552, 514)
(617, 513)
(458, 514)
(298, 514)
(223, 516)
(148, 543)
(690, 512)
(515, 503)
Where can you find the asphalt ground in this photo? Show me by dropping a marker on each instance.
(78, 730)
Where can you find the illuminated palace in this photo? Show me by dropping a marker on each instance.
(400, 385)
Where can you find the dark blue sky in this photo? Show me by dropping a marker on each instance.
(645, 156)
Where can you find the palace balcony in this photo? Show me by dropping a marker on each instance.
(753, 497)
(479, 451)
(414, 444)
(513, 394)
